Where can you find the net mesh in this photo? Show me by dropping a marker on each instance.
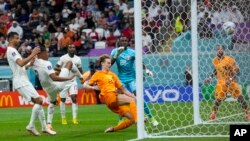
(168, 53)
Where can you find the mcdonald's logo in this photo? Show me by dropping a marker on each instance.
(88, 97)
(6, 101)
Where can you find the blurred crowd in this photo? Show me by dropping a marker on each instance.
(57, 23)
(87, 23)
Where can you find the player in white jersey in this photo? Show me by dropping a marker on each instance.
(50, 81)
(73, 90)
(23, 85)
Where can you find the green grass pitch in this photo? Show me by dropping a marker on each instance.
(93, 120)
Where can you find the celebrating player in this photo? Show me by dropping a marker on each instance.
(226, 70)
(108, 83)
(23, 85)
(73, 90)
(47, 77)
(125, 60)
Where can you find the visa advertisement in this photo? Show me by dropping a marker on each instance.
(159, 94)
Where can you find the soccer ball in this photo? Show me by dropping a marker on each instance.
(229, 28)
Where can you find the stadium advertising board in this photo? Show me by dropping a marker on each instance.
(14, 99)
(169, 94)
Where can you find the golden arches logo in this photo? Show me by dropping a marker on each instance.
(6, 101)
(88, 97)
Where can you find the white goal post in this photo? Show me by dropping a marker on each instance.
(183, 110)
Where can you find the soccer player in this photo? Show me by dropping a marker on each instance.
(125, 60)
(122, 104)
(73, 90)
(48, 78)
(226, 70)
(23, 85)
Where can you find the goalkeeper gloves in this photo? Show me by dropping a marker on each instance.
(149, 73)
(119, 51)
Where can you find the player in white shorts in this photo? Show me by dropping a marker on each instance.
(23, 85)
(73, 90)
(50, 81)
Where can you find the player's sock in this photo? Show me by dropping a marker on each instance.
(62, 109)
(147, 110)
(50, 113)
(41, 117)
(74, 110)
(64, 72)
(33, 115)
(124, 124)
(132, 107)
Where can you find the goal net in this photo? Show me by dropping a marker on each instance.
(168, 50)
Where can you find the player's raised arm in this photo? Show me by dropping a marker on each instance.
(25, 61)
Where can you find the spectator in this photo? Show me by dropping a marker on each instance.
(46, 34)
(16, 28)
(111, 40)
(53, 47)
(43, 8)
(64, 42)
(97, 13)
(80, 20)
(66, 12)
(5, 18)
(188, 76)
(127, 31)
(129, 12)
(102, 21)
(86, 41)
(77, 42)
(57, 20)
(117, 32)
(90, 21)
(112, 20)
(40, 29)
(2, 6)
(146, 42)
(35, 18)
(73, 26)
(93, 35)
(3, 47)
(23, 19)
(59, 34)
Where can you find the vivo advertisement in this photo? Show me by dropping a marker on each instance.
(159, 94)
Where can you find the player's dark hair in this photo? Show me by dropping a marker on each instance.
(104, 57)
(11, 35)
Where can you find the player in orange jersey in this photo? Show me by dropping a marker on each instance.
(226, 70)
(108, 83)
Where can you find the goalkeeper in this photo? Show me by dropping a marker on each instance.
(225, 71)
(124, 57)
